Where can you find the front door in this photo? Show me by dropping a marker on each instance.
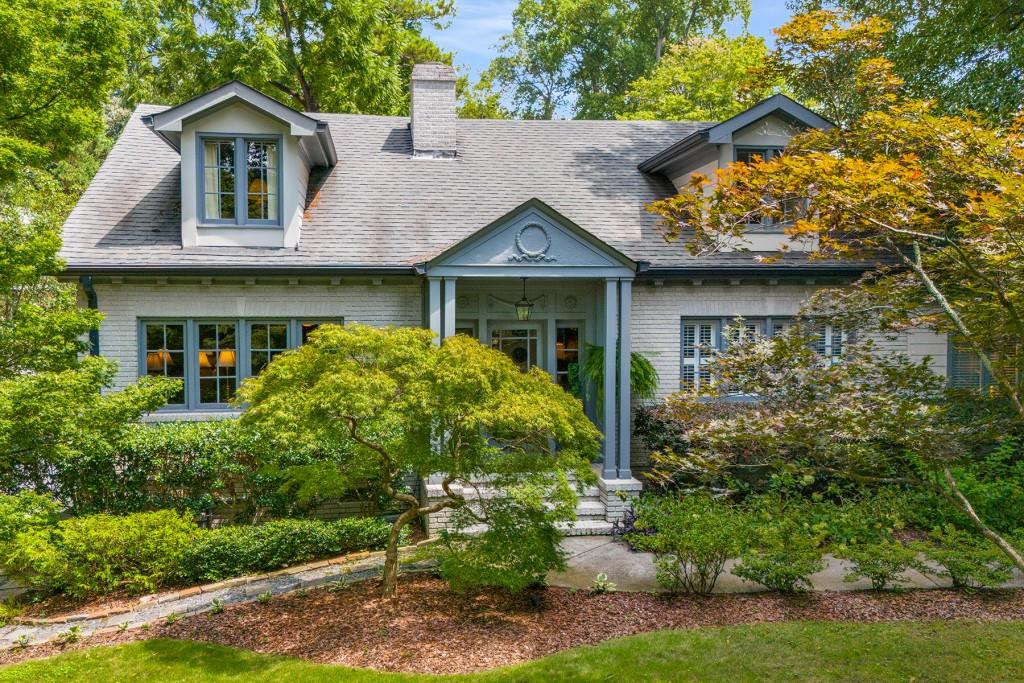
(520, 341)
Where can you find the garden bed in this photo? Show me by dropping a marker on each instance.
(430, 629)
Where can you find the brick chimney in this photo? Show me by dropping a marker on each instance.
(433, 110)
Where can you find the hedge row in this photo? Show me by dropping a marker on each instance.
(144, 551)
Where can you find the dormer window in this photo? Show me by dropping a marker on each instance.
(249, 199)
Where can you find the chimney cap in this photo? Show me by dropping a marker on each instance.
(433, 71)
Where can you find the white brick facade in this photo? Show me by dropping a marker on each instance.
(123, 305)
(659, 310)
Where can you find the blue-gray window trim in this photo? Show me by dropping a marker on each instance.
(757, 149)
(242, 349)
(241, 219)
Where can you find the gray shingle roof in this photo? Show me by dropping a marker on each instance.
(381, 207)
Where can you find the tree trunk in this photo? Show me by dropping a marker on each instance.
(989, 533)
(390, 586)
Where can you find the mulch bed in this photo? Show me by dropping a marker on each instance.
(431, 630)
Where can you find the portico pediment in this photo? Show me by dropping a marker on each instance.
(532, 240)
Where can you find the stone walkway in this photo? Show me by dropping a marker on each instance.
(158, 607)
(630, 571)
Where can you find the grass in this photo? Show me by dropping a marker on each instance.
(810, 651)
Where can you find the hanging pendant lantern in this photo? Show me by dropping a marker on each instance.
(524, 306)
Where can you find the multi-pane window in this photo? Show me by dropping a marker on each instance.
(165, 354)
(219, 179)
(218, 362)
(519, 344)
(212, 357)
(749, 329)
(261, 158)
(240, 181)
(266, 342)
(789, 210)
(749, 155)
(567, 355)
(700, 341)
(829, 341)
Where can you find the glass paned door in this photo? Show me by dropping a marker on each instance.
(520, 343)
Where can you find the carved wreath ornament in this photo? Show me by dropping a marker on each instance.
(532, 242)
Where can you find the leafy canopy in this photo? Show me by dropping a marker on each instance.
(963, 55)
(703, 79)
(402, 405)
(583, 55)
(354, 56)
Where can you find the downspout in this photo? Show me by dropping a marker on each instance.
(92, 302)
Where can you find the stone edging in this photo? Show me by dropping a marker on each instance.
(152, 608)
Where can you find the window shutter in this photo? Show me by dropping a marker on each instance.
(964, 367)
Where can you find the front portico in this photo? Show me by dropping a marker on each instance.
(578, 292)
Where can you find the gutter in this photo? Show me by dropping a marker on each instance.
(214, 270)
(685, 272)
(92, 301)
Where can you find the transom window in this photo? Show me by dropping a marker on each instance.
(212, 357)
(227, 199)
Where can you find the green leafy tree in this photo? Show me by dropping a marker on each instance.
(965, 55)
(353, 56)
(60, 62)
(820, 55)
(404, 406)
(479, 100)
(583, 55)
(703, 79)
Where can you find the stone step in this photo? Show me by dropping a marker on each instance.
(586, 527)
(590, 510)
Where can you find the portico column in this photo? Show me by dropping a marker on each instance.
(625, 350)
(449, 307)
(611, 307)
(434, 307)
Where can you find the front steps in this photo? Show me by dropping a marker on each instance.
(597, 509)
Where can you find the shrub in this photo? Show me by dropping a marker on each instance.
(188, 466)
(517, 550)
(26, 510)
(783, 550)
(691, 537)
(102, 553)
(884, 563)
(236, 550)
(967, 559)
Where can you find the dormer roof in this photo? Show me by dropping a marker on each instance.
(783, 107)
(168, 123)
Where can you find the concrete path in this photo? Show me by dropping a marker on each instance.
(630, 571)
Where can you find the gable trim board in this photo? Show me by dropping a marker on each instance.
(531, 240)
(722, 133)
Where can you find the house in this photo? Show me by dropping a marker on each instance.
(530, 235)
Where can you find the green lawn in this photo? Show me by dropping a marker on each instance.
(794, 651)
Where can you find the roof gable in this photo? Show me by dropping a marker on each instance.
(532, 238)
(168, 123)
(781, 106)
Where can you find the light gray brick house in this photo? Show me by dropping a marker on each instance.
(428, 221)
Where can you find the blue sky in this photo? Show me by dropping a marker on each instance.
(479, 24)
